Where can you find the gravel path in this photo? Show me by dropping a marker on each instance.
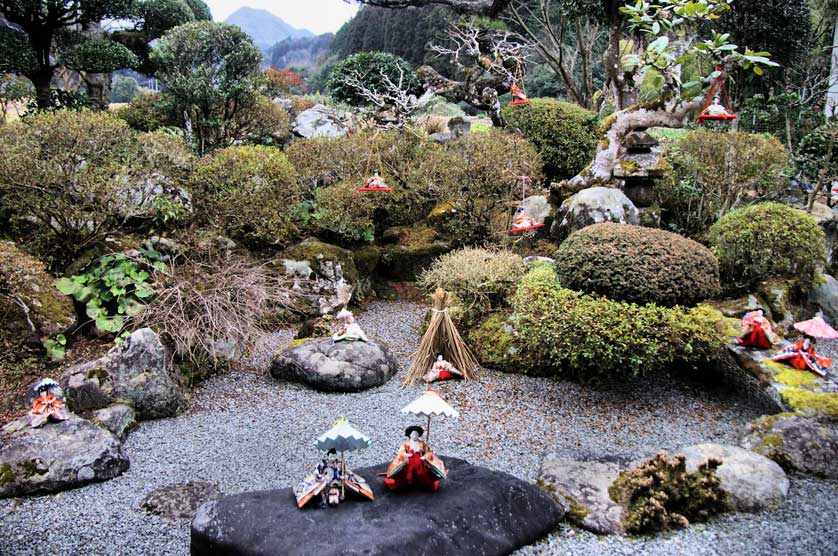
(246, 431)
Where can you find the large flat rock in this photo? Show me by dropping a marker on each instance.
(475, 512)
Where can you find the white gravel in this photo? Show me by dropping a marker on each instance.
(246, 431)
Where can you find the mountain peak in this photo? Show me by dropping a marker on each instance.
(264, 27)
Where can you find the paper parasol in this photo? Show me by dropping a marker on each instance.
(430, 403)
(342, 437)
(817, 328)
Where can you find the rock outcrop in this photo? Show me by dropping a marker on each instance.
(593, 206)
(797, 442)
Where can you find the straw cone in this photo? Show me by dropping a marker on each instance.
(442, 337)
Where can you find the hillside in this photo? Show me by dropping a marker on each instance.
(265, 28)
(301, 52)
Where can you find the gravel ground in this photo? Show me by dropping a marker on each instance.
(246, 431)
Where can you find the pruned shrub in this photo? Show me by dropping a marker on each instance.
(637, 264)
(61, 180)
(345, 212)
(817, 154)
(377, 72)
(767, 240)
(564, 134)
(660, 494)
(263, 123)
(714, 173)
(481, 280)
(251, 193)
(147, 111)
(552, 330)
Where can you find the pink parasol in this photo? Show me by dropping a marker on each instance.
(817, 328)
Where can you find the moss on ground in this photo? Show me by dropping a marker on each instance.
(6, 474)
(794, 377)
(820, 402)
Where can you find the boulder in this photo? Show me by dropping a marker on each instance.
(475, 511)
(752, 482)
(179, 501)
(324, 276)
(582, 487)
(57, 456)
(329, 366)
(824, 298)
(592, 206)
(31, 306)
(117, 418)
(537, 206)
(320, 121)
(797, 442)
(409, 250)
(137, 372)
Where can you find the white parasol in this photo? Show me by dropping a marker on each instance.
(430, 403)
(342, 437)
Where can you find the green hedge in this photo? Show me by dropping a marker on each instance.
(637, 264)
(555, 331)
(251, 193)
(768, 240)
(564, 134)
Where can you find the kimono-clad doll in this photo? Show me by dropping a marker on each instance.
(757, 331)
(442, 370)
(518, 96)
(801, 355)
(716, 109)
(47, 407)
(415, 466)
(329, 480)
(348, 329)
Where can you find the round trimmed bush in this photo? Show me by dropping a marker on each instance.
(564, 134)
(370, 68)
(250, 192)
(768, 240)
(637, 264)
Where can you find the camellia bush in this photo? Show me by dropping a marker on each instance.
(637, 264)
(714, 173)
(376, 72)
(764, 241)
(554, 331)
(564, 133)
(250, 193)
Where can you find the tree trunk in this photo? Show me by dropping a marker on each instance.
(41, 80)
(601, 170)
(98, 86)
(831, 109)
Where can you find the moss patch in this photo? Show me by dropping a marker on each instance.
(793, 377)
(6, 474)
(99, 374)
(820, 402)
(773, 440)
(316, 252)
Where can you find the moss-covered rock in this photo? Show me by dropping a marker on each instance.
(410, 252)
(796, 442)
(30, 305)
(799, 399)
(318, 254)
(325, 276)
(495, 345)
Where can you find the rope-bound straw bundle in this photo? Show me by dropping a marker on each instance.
(442, 337)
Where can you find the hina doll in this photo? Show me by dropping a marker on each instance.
(375, 183)
(441, 370)
(330, 480)
(47, 407)
(415, 466)
(715, 109)
(757, 331)
(518, 96)
(348, 329)
(801, 355)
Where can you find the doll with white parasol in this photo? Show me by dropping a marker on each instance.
(331, 478)
(416, 466)
(801, 355)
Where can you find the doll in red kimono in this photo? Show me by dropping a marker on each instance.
(415, 467)
(441, 370)
(801, 355)
(757, 331)
(47, 407)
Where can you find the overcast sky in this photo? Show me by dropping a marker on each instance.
(318, 16)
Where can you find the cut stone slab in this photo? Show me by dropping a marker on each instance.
(118, 419)
(57, 456)
(476, 511)
(796, 442)
(582, 487)
(179, 501)
(136, 372)
(752, 482)
(336, 366)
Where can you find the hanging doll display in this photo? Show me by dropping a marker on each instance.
(331, 478)
(523, 221)
(717, 105)
(375, 183)
(47, 406)
(441, 370)
(519, 98)
(757, 331)
(441, 338)
(347, 328)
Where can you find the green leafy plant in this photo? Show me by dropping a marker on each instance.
(55, 347)
(767, 240)
(660, 494)
(563, 133)
(637, 264)
(113, 288)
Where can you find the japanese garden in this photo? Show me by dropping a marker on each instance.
(418, 277)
